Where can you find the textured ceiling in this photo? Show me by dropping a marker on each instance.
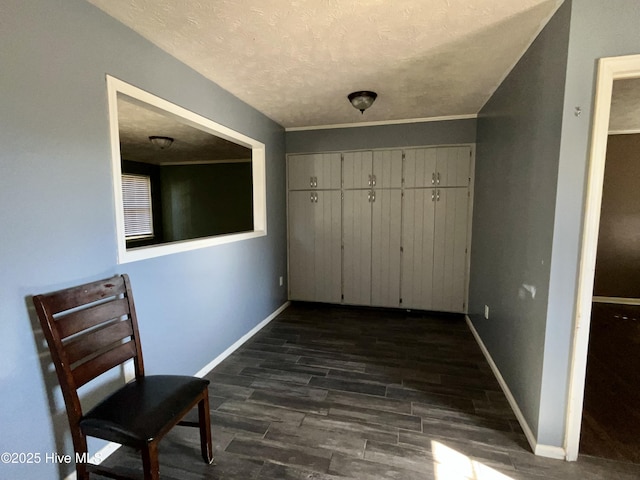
(296, 60)
(137, 121)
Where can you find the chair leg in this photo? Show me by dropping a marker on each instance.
(80, 449)
(150, 465)
(206, 446)
(81, 471)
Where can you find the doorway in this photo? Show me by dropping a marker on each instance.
(609, 70)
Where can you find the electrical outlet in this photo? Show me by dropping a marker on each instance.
(486, 312)
(281, 281)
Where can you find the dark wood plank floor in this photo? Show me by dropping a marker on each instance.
(611, 416)
(337, 393)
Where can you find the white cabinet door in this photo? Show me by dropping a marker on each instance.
(302, 245)
(453, 166)
(449, 254)
(356, 240)
(418, 212)
(387, 169)
(314, 171)
(314, 246)
(379, 169)
(420, 168)
(437, 167)
(385, 248)
(357, 170)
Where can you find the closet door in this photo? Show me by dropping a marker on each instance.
(418, 211)
(453, 166)
(314, 246)
(356, 240)
(328, 251)
(387, 169)
(437, 167)
(357, 170)
(450, 244)
(420, 168)
(314, 171)
(385, 247)
(302, 244)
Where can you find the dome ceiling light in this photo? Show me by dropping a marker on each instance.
(161, 142)
(362, 100)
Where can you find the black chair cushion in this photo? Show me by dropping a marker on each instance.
(137, 412)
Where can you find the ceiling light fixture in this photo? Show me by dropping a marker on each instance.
(362, 100)
(161, 142)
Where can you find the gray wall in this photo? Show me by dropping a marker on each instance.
(532, 347)
(598, 29)
(57, 217)
(220, 200)
(382, 136)
(518, 144)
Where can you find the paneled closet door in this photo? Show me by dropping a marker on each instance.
(387, 169)
(418, 211)
(314, 171)
(450, 262)
(453, 166)
(420, 168)
(328, 247)
(356, 239)
(386, 227)
(314, 246)
(357, 170)
(302, 244)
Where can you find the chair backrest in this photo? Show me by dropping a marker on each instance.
(90, 329)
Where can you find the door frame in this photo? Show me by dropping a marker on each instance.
(609, 69)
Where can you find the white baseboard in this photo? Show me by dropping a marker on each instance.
(538, 449)
(213, 363)
(550, 451)
(102, 454)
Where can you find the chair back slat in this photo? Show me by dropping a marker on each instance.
(84, 294)
(98, 341)
(100, 364)
(103, 315)
(76, 321)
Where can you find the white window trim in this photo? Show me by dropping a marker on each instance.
(115, 86)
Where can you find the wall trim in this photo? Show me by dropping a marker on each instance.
(213, 363)
(384, 122)
(617, 300)
(102, 454)
(538, 449)
(629, 131)
(258, 174)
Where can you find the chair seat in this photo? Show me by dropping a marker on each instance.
(137, 413)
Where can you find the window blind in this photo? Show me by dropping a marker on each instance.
(136, 199)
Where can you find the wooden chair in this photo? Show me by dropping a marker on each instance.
(91, 329)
